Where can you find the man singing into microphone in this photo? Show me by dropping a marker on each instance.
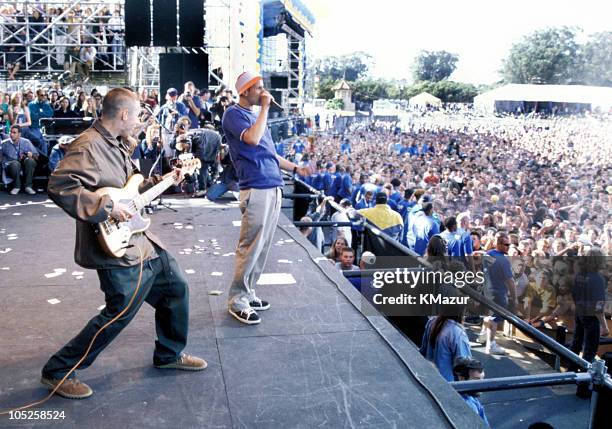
(258, 169)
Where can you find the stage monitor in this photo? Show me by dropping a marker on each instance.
(137, 23)
(176, 69)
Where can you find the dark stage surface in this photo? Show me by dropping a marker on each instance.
(314, 361)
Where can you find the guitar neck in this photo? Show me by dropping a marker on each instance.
(145, 198)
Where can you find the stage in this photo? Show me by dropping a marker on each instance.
(314, 361)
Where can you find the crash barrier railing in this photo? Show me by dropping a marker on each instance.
(599, 382)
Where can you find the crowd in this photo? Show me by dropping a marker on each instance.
(190, 119)
(545, 182)
(79, 38)
(529, 198)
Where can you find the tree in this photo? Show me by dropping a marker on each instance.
(350, 67)
(434, 65)
(550, 56)
(324, 88)
(597, 59)
(368, 90)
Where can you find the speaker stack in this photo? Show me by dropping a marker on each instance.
(170, 24)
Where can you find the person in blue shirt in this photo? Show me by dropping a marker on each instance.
(19, 154)
(374, 185)
(502, 284)
(345, 147)
(396, 195)
(328, 177)
(366, 202)
(467, 247)
(423, 228)
(355, 194)
(589, 294)
(298, 146)
(452, 237)
(445, 340)
(259, 179)
(191, 100)
(172, 110)
(468, 368)
(39, 109)
(58, 152)
(413, 150)
(346, 186)
(316, 178)
(405, 203)
(337, 183)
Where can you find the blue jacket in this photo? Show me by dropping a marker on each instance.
(423, 228)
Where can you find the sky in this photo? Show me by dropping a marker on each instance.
(480, 32)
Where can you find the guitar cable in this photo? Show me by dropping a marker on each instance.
(106, 325)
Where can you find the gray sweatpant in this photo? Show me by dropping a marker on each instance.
(260, 210)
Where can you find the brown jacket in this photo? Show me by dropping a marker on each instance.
(96, 160)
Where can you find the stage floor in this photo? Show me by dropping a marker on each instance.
(314, 361)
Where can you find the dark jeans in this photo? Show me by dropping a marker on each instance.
(163, 286)
(37, 139)
(205, 176)
(586, 337)
(13, 170)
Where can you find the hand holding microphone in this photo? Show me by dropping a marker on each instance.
(267, 99)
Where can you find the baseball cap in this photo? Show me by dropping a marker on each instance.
(172, 92)
(368, 257)
(246, 80)
(381, 198)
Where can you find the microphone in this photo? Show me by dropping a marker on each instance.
(277, 105)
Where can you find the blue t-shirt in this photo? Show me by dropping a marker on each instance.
(453, 242)
(423, 228)
(475, 405)
(195, 120)
(298, 147)
(452, 342)
(499, 272)
(256, 166)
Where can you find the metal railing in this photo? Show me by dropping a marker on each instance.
(52, 43)
(595, 374)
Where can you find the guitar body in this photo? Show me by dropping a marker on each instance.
(114, 237)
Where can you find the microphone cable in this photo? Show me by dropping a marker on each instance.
(113, 320)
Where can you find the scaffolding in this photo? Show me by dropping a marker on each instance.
(46, 36)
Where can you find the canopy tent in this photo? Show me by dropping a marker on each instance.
(526, 98)
(424, 99)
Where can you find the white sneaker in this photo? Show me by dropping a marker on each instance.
(30, 191)
(482, 337)
(14, 191)
(495, 350)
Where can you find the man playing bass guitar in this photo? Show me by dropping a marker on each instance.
(98, 158)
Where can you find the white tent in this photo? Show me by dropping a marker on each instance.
(510, 97)
(424, 99)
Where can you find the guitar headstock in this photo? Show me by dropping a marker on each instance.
(188, 166)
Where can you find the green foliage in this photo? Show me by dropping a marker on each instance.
(368, 90)
(597, 59)
(434, 65)
(550, 56)
(446, 90)
(324, 88)
(350, 67)
(335, 104)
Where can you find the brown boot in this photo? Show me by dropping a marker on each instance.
(186, 363)
(71, 388)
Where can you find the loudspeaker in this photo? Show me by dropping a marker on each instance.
(279, 82)
(164, 23)
(176, 69)
(278, 97)
(137, 23)
(191, 23)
